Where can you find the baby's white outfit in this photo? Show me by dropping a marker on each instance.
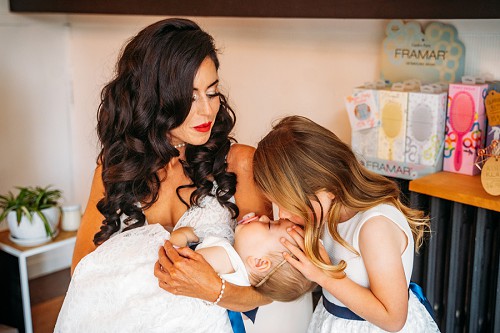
(418, 320)
(113, 289)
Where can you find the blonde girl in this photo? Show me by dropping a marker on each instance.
(358, 240)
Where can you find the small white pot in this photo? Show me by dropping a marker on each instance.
(34, 230)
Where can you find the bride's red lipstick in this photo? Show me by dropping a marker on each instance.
(204, 127)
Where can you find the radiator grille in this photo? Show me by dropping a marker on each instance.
(459, 264)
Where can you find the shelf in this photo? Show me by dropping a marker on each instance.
(456, 187)
(64, 237)
(360, 9)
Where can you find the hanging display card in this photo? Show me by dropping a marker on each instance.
(490, 176)
(431, 56)
(492, 106)
(488, 161)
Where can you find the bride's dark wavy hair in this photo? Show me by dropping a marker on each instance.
(150, 95)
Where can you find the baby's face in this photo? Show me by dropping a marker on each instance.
(260, 238)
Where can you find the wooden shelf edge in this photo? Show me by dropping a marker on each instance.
(361, 9)
(456, 187)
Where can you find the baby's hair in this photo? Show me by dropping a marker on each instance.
(286, 284)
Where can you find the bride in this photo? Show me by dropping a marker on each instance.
(164, 129)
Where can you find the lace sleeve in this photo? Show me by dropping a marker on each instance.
(209, 218)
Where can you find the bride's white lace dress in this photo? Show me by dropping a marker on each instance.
(113, 289)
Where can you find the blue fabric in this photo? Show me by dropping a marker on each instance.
(236, 321)
(193, 246)
(419, 292)
(339, 311)
(345, 313)
(251, 314)
(235, 317)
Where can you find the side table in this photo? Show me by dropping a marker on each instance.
(15, 306)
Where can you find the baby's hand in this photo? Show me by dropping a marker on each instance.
(182, 236)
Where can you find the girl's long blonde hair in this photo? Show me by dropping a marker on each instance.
(299, 158)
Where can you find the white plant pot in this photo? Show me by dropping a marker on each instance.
(32, 232)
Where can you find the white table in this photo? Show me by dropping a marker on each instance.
(22, 253)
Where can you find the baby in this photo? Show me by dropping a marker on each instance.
(114, 289)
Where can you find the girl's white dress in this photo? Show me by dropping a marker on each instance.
(113, 289)
(418, 320)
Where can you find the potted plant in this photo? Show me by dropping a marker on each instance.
(32, 214)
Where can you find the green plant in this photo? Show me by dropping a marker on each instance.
(30, 201)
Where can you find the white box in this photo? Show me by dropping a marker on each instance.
(364, 142)
(425, 127)
(392, 132)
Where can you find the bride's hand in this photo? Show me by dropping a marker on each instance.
(185, 272)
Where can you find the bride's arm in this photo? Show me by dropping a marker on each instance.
(248, 197)
(91, 221)
(185, 272)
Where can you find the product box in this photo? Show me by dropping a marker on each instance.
(402, 170)
(425, 127)
(364, 142)
(465, 127)
(364, 139)
(392, 132)
(362, 109)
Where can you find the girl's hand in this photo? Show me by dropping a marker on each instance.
(302, 263)
(185, 272)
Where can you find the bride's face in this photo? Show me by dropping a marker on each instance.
(197, 127)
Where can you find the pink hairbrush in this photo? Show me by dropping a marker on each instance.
(461, 119)
(248, 218)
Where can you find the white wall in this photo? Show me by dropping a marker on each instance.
(35, 95)
(269, 68)
(53, 67)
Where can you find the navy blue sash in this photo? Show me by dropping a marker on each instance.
(419, 292)
(345, 313)
(339, 311)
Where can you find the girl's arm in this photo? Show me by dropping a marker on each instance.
(185, 272)
(385, 303)
(91, 221)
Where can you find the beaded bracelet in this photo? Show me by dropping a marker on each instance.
(221, 291)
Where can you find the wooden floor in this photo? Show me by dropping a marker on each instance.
(47, 295)
(45, 315)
